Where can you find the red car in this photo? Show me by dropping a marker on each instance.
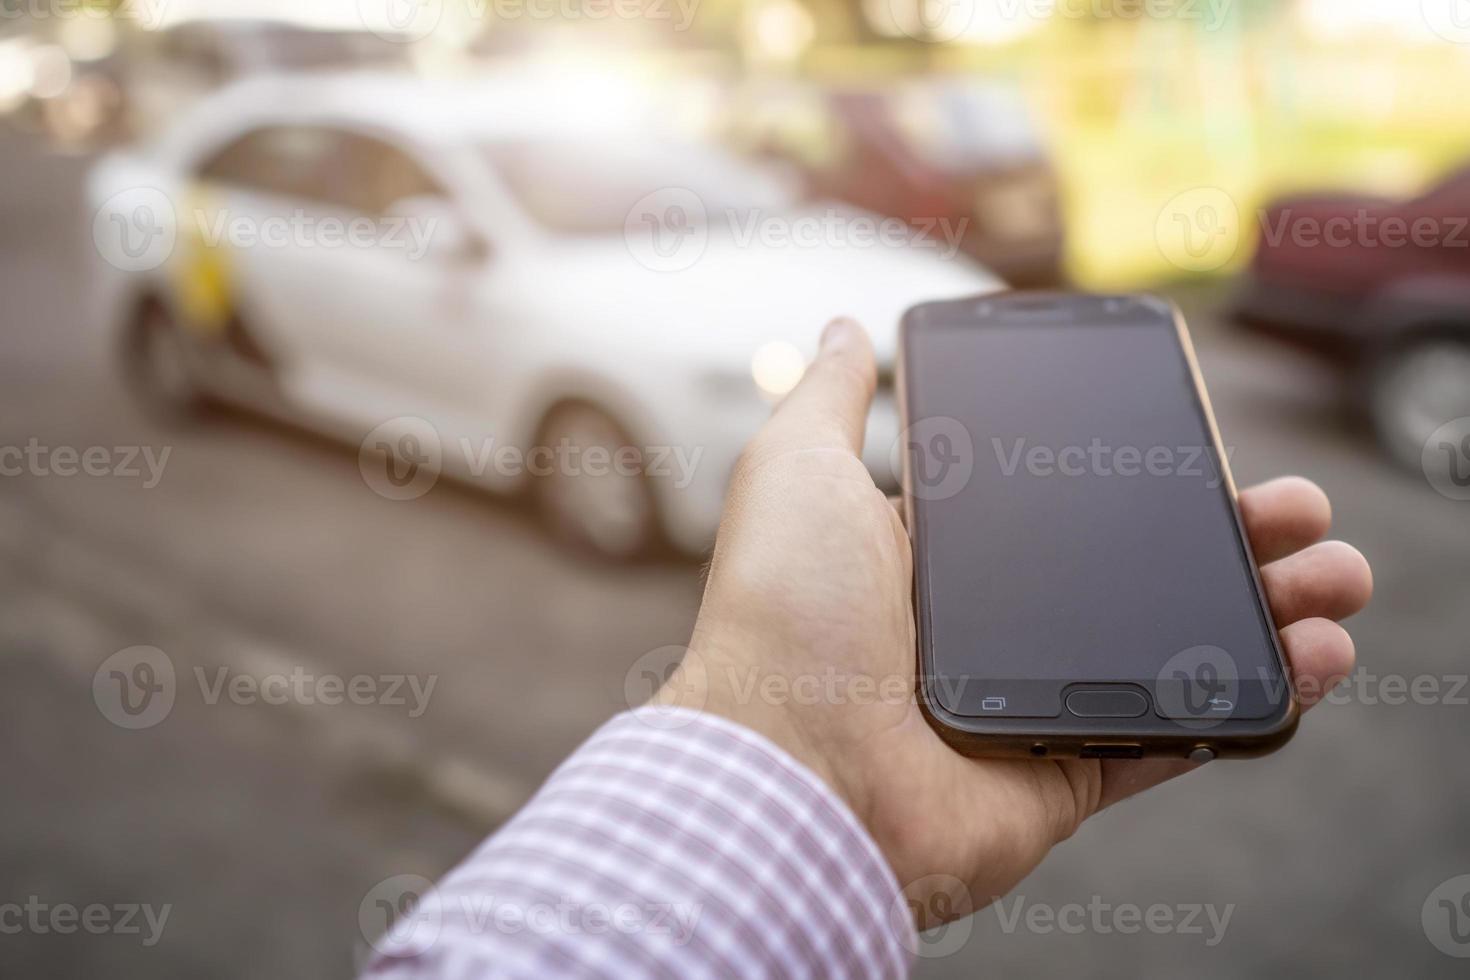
(962, 154)
(1382, 287)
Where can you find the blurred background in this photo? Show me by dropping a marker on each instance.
(292, 291)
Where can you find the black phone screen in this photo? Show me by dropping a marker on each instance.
(1093, 538)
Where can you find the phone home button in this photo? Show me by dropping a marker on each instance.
(1106, 703)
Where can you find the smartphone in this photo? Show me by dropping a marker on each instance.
(1083, 585)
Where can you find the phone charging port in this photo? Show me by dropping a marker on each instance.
(1093, 751)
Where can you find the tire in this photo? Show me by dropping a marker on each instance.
(160, 366)
(611, 512)
(1414, 389)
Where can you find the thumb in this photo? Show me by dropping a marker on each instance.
(828, 409)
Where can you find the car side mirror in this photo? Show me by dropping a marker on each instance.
(434, 230)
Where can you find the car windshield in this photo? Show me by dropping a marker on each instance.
(576, 187)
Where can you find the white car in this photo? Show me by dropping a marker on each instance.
(458, 275)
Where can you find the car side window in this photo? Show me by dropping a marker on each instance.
(340, 169)
(291, 161)
(385, 175)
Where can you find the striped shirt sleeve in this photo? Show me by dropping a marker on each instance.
(671, 844)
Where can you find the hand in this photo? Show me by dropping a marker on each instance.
(811, 580)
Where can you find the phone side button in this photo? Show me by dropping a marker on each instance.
(1106, 704)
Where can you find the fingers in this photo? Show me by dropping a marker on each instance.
(828, 409)
(1331, 580)
(1321, 655)
(1283, 516)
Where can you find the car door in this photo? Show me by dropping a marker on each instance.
(354, 274)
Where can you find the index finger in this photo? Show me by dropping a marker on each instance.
(828, 408)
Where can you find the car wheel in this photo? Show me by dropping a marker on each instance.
(1417, 388)
(601, 504)
(159, 365)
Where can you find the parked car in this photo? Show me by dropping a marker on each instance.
(165, 72)
(1381, 287)
(533, 317)
(954, 150)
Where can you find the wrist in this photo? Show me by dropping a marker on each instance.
(717, 685)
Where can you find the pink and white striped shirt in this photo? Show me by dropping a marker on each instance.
(671, 844)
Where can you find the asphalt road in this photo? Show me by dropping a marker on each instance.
(262, 827)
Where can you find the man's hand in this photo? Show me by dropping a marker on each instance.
(811, 579)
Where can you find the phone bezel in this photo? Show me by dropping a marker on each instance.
(1068, 735)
